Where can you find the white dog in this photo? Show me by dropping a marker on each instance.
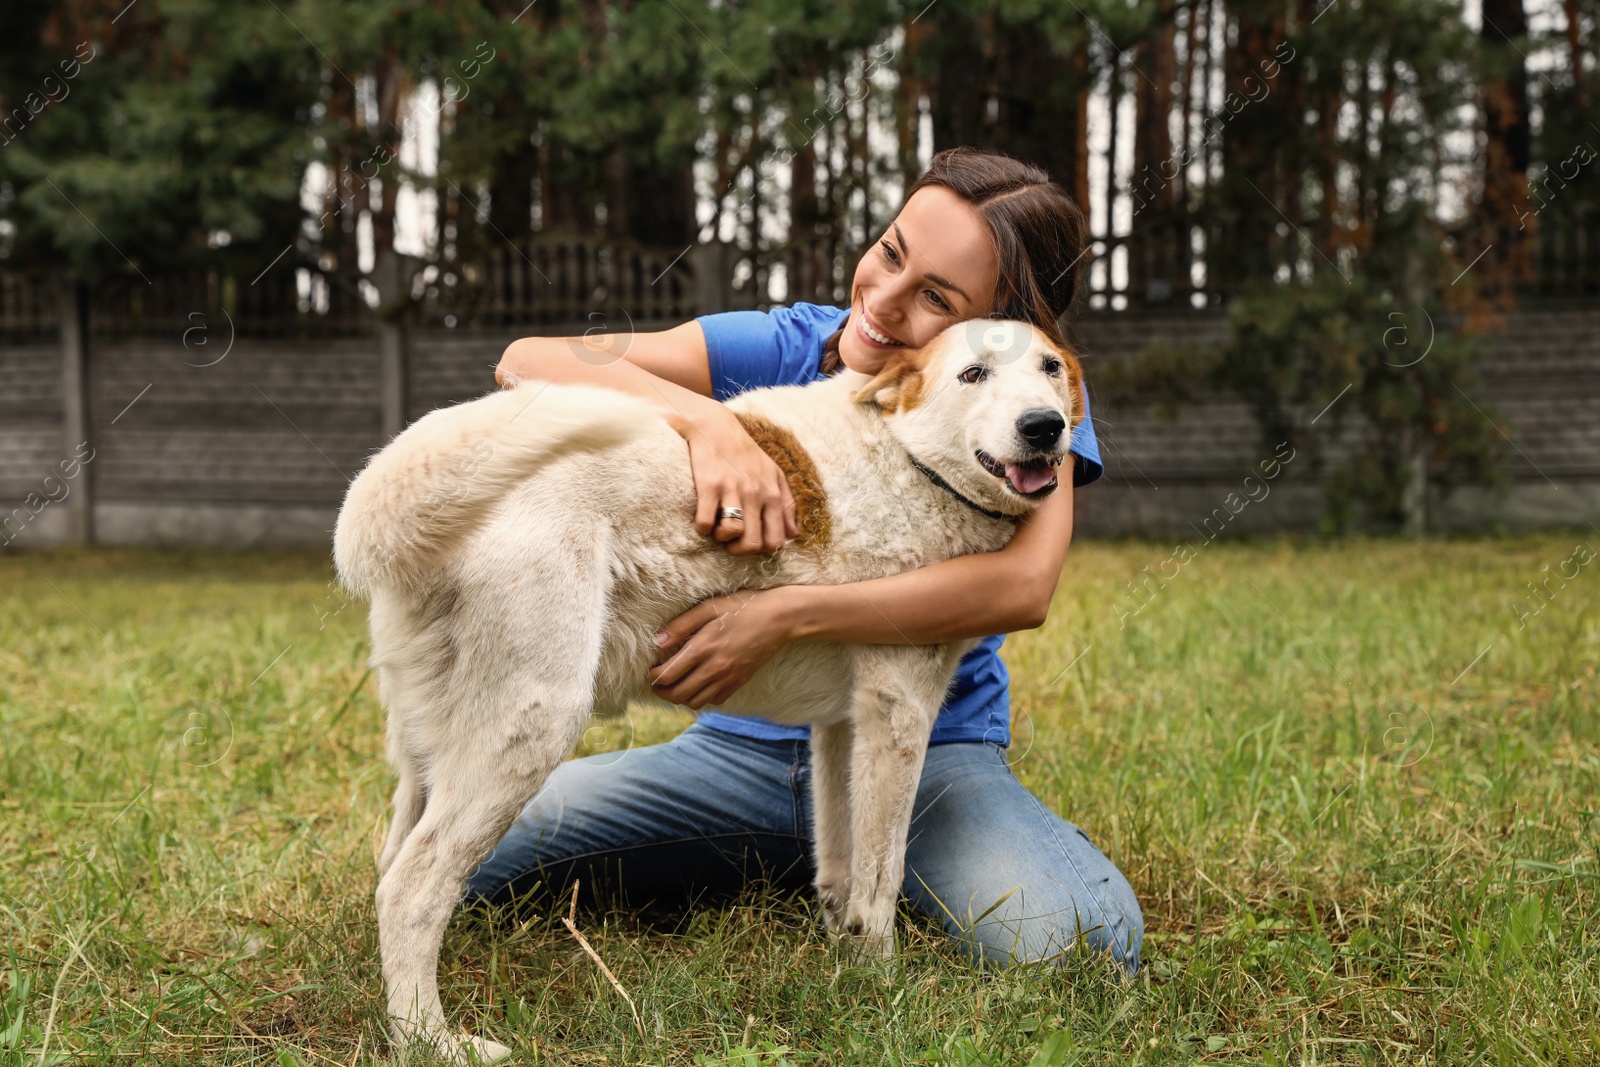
(520, 549)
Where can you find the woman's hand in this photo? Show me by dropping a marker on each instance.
(731, 471)
(714, 648)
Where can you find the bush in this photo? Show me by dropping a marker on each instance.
(1307, 358)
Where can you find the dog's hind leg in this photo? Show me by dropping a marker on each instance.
(411, 794)
(830, 804)
(512, 684)
(410, 800)
(477, 791)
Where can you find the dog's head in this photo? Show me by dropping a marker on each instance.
(989, 404)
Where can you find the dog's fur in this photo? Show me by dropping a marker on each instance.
(520, 549)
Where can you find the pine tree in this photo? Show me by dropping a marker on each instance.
(158, 137)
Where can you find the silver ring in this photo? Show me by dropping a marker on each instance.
(730, 513)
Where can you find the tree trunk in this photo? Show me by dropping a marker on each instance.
(1504, 176)
(959, 80)
(1040, 102)
(1109, 191)
(1575, 54)
(563, 201)
(1077, 179)
(1249, 198)
(1153, 251)
(392, 88)
(910, 92)
(513, 171)
(664, 209)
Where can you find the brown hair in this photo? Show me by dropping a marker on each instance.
(1039, 233)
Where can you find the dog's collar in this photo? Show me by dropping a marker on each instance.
(933, 476)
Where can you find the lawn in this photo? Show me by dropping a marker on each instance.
(1356, 785)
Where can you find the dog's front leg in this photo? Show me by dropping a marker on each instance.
(898, 698)
(830, 804)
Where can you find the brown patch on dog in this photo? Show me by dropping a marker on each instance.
(810, 501)
(898, 385)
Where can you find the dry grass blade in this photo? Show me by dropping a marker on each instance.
(583, 943)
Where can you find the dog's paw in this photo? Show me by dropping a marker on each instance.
(480, 1050)
(864, 940)
(464, 1050)
(877, 947)
(834, 899)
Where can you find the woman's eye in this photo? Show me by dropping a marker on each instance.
(938, 301)
(888, 251)
(972, 374)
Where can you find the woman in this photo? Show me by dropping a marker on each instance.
(980, 235)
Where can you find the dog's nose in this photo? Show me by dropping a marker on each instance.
(1042, 427)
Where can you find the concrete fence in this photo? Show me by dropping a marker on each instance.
(1541, 392)
(205, 437)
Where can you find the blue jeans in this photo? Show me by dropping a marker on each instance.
(709, 811)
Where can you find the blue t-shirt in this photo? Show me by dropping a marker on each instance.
(754, 349)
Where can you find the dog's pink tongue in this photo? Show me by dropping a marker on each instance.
(1029, 477)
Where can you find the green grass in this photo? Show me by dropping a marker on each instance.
(1350, 846)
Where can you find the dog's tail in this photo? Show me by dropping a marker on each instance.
(438, 479)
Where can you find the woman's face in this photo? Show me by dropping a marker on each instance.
(934, 266)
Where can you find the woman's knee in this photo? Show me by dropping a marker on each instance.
(1047, 927)
(1007, 876)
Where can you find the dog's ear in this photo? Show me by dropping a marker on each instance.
(898, 385)
(1075, 388)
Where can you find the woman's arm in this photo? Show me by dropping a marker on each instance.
(714, 648)
(671, 370)
(969, 596)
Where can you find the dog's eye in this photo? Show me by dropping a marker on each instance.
(1052, 367)
(974, 373)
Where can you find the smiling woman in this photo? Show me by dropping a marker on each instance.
(905, 293)
(979, 236)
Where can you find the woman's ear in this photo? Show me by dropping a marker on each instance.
(898, 385)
